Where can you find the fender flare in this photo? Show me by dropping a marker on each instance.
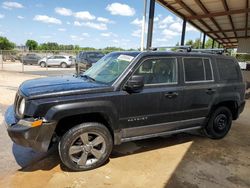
(105, 108)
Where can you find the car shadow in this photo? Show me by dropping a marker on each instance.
(30, 160)
(140, 146)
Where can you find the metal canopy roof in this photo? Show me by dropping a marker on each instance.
(225, 21)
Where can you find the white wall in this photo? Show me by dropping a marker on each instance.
(244, 45)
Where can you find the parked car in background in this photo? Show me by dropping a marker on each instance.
(244, 60)
(84, 60)
(31, 59)
(63, 61)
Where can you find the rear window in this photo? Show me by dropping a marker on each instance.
(197, 69)
(228, 69)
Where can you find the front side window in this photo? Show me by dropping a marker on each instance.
(197, 69)
(158, 71)
(110, 67)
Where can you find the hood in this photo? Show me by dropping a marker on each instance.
(59, 85)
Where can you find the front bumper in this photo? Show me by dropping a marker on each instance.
(38, 138)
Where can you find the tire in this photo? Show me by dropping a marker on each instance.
(64, 65)
(219, 123)
(74, 140)
(43, 64)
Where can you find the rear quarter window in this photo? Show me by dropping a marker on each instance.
(228, 69)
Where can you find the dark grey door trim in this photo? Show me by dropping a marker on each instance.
(137, 133)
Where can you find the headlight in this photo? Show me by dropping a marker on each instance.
(21, 107)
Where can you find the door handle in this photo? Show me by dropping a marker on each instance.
(171, 94)
(210, 91)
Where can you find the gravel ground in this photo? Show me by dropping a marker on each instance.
(184, 160)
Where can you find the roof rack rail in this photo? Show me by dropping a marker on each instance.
(187, 48)
(211, 50)
(190, 49)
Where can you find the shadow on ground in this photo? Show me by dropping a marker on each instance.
(29, 160)
(216, 163)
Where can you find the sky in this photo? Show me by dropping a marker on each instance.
(95, 23)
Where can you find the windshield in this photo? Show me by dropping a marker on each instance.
(110, 67)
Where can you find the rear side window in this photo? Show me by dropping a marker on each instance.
(197, 69)
(227, 69)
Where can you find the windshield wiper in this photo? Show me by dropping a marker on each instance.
(88, 77)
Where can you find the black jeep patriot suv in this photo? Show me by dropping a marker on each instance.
(123, 97)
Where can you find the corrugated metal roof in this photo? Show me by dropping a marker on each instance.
(226, 21)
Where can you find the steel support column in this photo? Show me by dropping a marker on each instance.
(143, 25)
(150, 23)
(213, 44)
(204, 41)
(184, 23)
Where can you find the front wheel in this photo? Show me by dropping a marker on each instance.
(219, 123)
(85, 146)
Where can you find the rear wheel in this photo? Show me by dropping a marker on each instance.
(219, 123)
(85, 146)
(64, 65)
(43, 64)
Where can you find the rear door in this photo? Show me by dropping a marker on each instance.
(199, 87)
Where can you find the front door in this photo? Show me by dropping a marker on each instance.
(158, 103)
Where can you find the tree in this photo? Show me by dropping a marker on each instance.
(197, 44)
(189, 43)
(209, 43)
(31, 44)
(5, 44)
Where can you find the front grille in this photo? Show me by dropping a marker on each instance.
(17, 102)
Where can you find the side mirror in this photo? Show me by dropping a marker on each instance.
(135, 84)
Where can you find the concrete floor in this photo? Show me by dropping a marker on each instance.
(184, 160)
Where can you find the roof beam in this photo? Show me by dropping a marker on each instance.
(184, 6)
(224, 2)
(216, 14)
(246, 24)
(171, 8)
(238, 37)
(204, 9)
(230, 43)
(229, 30)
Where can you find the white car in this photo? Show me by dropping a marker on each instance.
(63, 61)
(243, 65)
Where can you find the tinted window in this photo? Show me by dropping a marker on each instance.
(227, 69)
(157, 71)
(59, 57)
(197, 69)
(194, 69)
(208, 69)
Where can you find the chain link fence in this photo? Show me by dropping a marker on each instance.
(43, 62)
